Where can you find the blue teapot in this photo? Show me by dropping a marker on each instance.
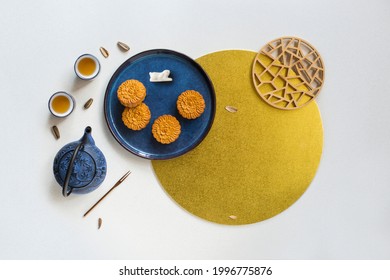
(80, 167)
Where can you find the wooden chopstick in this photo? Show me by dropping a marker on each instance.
(116, 184)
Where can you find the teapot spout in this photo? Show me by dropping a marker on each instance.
(87, 137)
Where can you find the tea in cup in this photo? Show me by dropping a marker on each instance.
(87, 67)
(61, 104)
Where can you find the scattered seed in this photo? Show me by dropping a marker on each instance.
(231, 109)
(233, 217)
(100, 221)
(56, 132)
(104, 52)
(88, 103)
(123, 46)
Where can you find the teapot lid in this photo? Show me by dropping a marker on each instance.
(84, 168)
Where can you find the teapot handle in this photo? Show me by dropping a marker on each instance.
(65, 191)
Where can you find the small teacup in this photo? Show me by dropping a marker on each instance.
(61, 104)
(87, 67)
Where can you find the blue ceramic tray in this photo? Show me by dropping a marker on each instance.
(161, 99)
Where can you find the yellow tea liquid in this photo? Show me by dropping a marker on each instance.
(60, 104)
(86, 66)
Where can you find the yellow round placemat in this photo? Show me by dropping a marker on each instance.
(255, 162)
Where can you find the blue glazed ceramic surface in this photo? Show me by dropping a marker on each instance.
(89, 167)
(161, 99)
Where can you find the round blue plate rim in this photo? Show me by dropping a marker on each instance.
(201, 134)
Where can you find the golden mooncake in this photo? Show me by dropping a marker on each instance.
(131, 93)
(166, 129)
(190, 104)
(136, 118)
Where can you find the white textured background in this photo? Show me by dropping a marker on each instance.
(345, 214)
